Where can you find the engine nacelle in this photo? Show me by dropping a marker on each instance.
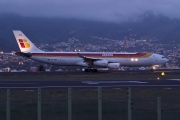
(101, 63)
(85, 64)
(113, 65)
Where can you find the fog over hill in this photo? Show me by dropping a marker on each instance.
(54, 30)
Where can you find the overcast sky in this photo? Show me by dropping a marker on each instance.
(101, 10)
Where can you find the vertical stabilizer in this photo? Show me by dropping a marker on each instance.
(24, 43)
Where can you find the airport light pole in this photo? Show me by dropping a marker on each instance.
(69, 104)
(39, 104)
(129, 104)
(159, 108)
(99, 103)
(8, 108)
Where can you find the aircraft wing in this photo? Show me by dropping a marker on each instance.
(86, 59)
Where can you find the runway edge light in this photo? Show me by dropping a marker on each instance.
(162, 73)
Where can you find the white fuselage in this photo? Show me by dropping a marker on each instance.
(124, 59)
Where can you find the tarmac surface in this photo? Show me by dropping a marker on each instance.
(145, 87)
(106, 79)
(88, 84)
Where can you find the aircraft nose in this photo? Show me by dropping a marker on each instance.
(166, 60)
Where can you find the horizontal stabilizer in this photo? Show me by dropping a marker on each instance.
(23, 54)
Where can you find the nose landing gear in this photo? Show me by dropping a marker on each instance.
(153, 68)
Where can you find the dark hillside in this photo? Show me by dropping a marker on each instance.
(53, 30)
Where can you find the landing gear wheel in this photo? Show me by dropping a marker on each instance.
(86, 70)
(90, 70)
(41, 68)
(152, 70)
(95, 70)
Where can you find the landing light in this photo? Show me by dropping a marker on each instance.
(158, 78)
(154, 67)
(136, 59)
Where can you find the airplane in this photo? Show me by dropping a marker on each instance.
(90, 60)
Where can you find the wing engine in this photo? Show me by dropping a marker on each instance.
(105, 63)
(113, 65)
(101, 63)
(97, 62)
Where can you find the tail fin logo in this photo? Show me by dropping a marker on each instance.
(24, 43)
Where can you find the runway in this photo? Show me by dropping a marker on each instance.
(87, 84)
(106, 79)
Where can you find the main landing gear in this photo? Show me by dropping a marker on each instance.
(90, 70)
(41, 68)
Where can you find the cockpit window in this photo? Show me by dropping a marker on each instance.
(163, 57)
